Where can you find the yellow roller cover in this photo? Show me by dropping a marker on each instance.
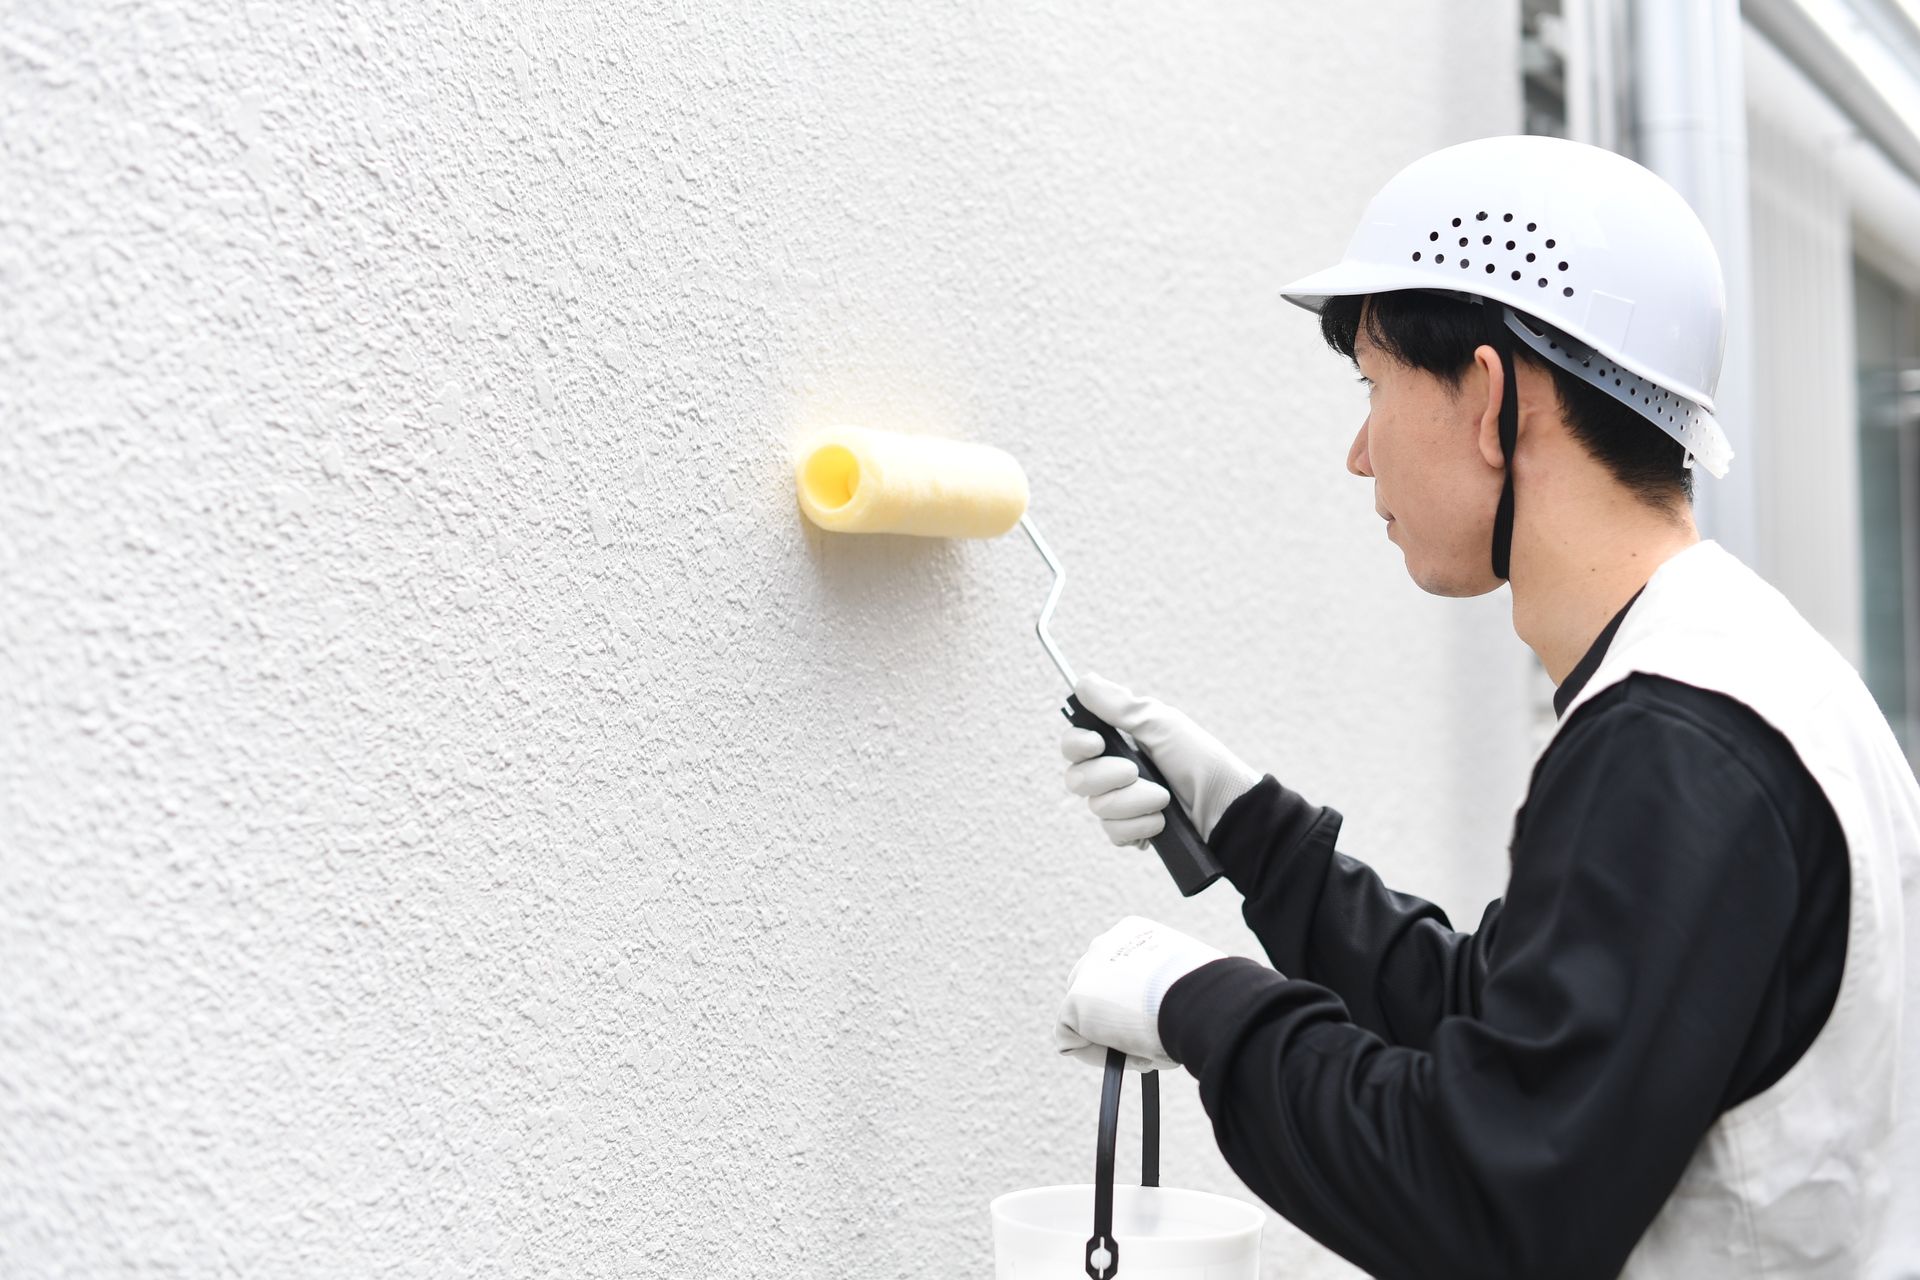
(858, 480)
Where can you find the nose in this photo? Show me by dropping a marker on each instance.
(1357, 460)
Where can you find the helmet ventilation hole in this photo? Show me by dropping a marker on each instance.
(1512, 246)
(1416, 255)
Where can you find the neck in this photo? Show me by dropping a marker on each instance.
(1574, 570)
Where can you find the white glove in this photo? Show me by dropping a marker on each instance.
(1207, 776)
(1114, 993)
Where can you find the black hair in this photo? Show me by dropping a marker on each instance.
(1438, 334)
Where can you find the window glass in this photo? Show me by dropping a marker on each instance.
(1887, 342)
(1543, 67)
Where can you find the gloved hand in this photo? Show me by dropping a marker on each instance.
(1206, 775)
(1114, 993)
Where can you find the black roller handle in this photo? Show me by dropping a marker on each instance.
(1187, 858)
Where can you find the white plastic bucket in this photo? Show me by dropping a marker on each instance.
(1105, 1232)
(1164, 1233)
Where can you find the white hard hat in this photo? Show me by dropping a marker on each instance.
(1584, 240)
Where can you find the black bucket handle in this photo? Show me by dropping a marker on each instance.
(1102, 1236)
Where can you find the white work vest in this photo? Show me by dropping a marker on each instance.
(1820, 1174)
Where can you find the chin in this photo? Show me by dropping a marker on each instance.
(1453, 581)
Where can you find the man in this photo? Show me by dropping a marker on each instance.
(1676, 1046)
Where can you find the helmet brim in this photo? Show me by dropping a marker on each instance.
(1346, 280)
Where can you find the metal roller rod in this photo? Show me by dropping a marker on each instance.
(1053, 598)
(1185, 854)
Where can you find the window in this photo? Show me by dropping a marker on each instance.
(1543, 67)
(1887, 346)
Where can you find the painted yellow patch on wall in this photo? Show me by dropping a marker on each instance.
(858, 480)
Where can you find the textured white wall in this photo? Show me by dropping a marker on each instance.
(456, 819)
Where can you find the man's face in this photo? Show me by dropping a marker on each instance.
(1432, 482)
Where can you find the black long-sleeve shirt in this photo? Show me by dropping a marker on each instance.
(1520, 1100)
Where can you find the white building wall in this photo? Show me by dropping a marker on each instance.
(455, 820)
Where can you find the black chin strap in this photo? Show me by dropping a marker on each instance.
(1500, 338)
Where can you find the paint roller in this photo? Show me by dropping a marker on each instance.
(858, 480)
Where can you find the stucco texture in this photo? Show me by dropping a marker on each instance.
(457, 819)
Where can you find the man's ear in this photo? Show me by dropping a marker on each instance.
(1492, 375)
